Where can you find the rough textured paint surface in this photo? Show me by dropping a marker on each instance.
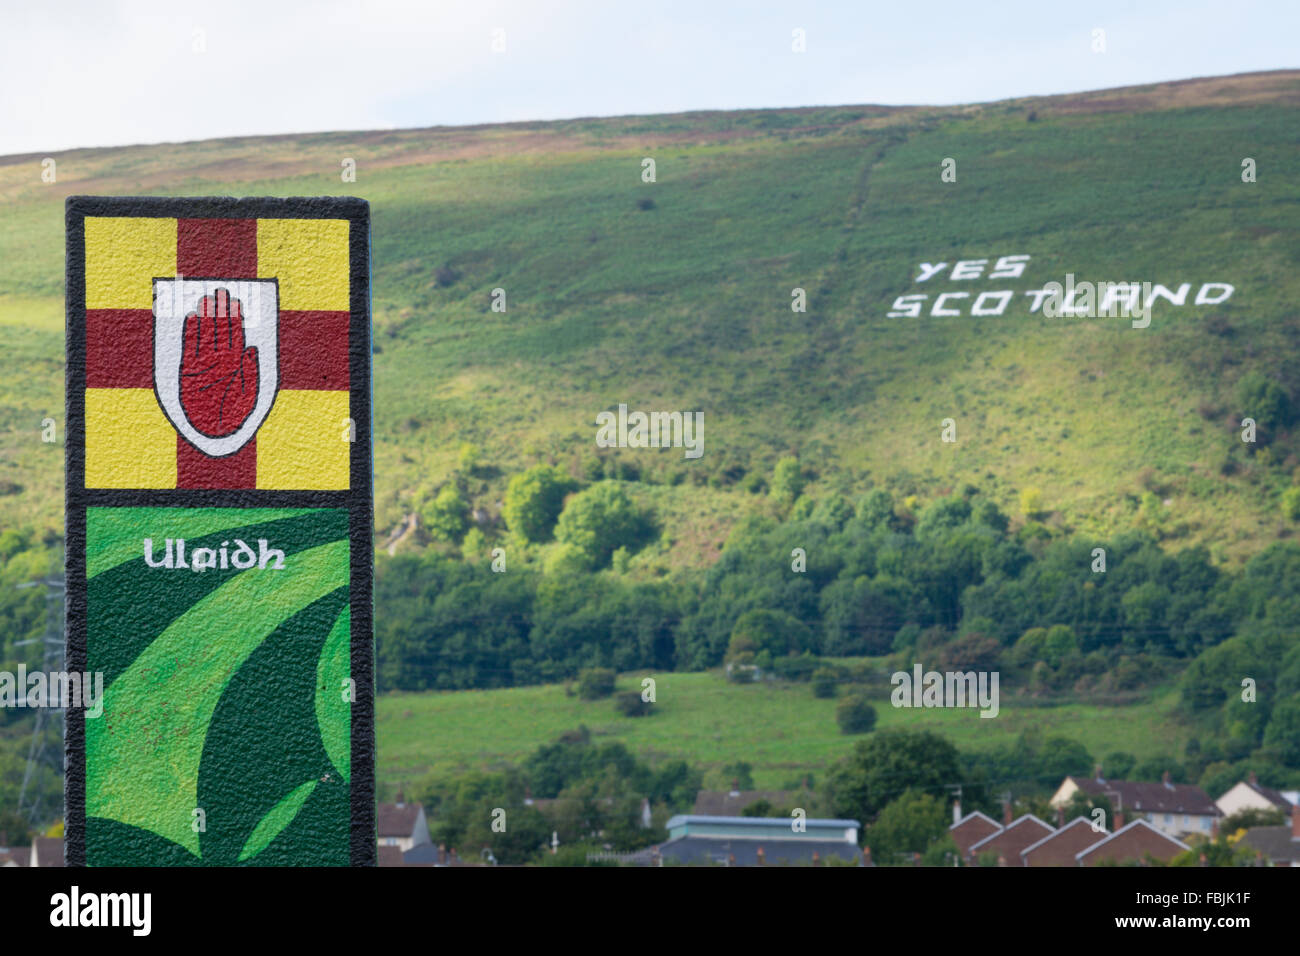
(219, 532)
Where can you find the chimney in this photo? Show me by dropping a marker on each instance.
(1252, 778)
(956, 811)
(1164, 778)
(735, 788)
(401, 798)
(761, 857)
(1060, 817)
(1119, 820)
(1006, 812)
(1097, 773)
(1295, 821)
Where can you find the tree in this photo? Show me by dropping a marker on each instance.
(908, 824)
(629, 703)
(1282, 736)
(787, 481)
(1031, 502)
(1082, 804)
(595, 683)
(776, 632)
(534, 499)
(855, 716)
(601, 519)
(447, 516)
(1264, 400)
(886, 764)
(1291, 503)
(824, 681)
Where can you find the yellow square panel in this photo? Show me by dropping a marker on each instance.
(303, 444)
(309, 257)
(129, 442)
(123, 256)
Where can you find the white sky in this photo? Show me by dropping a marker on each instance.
(109, 73)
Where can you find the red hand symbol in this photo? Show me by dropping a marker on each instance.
(218, 375)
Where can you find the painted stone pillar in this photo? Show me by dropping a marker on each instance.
(219, 532)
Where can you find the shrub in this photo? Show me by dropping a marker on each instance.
(600, 520)
(595, 683)
(534, 499)
(629, 704)
(855, 716)
(824, 682)
(1291, 503)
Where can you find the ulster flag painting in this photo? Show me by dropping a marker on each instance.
(217, 351)
(219, 532)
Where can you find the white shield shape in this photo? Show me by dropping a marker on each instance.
(214, 371)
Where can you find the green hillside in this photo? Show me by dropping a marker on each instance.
(686, 304)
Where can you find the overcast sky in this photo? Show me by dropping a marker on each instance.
(109, 73)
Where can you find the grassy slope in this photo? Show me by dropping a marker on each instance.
(783, 731)
(687, 305)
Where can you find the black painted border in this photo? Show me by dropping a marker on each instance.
(358, 499)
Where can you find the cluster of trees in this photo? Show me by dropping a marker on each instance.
(592, 794)
(951, 585)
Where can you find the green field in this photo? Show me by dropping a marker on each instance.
(781, 729)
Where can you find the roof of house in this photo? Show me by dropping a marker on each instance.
(1016, 835)
(729, 803)
(390, 855)
(1274, 797)
(16, 856)
(1065, 842)
(397, 819)
(706, 849)
(1276, 843)
(1126, 829)
(682, 819)
(48, 851)
(1150, 797)
(972, 828)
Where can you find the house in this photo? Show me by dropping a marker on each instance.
(757, 841)
(1280, 846)
(1010, 839)
(1134, 842)
(1250, 795)
(970, 829)
(402, 825)
(1176, 808)
(1060, 847)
